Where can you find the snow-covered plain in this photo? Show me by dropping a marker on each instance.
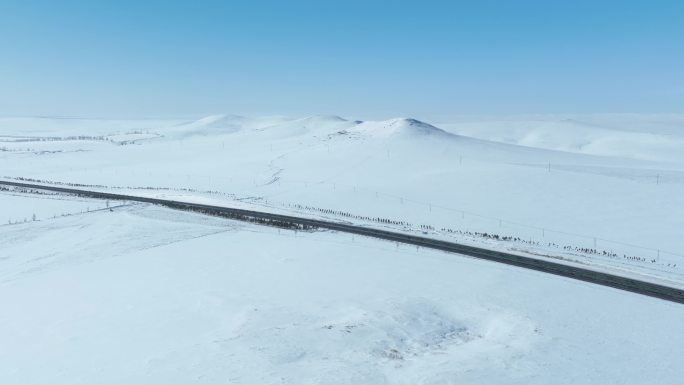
(142, 295)
(139, 294)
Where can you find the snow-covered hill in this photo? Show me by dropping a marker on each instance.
(646, 137)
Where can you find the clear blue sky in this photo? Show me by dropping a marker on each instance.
(360, 59)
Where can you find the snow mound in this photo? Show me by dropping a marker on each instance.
(311, 125)
(315, 119)
(412, 126)
(210, 125)
(218, 121)
(401, 127)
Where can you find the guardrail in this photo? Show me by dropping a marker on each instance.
(587, 275)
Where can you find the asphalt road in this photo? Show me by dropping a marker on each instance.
(582, 274)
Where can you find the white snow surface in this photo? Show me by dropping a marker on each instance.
(119, 292)
(142, 295)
